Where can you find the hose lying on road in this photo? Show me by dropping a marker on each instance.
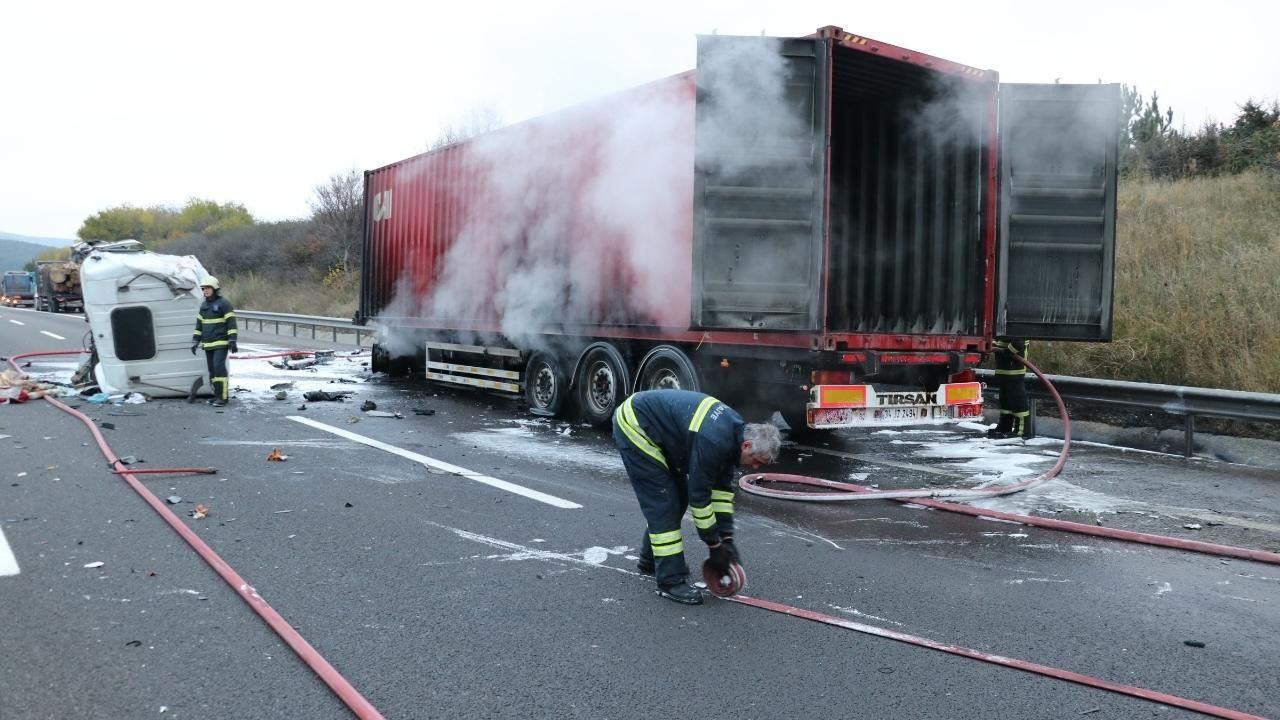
(835, 491)
(336, 682)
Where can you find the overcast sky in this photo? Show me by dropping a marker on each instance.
(152, 103)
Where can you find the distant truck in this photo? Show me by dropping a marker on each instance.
(18, 288)
(830, 226)
(58, 286)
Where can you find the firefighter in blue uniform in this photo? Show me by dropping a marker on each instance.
(1015, 408)
(680, 448)
(216, 333)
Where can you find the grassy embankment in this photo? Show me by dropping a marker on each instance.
(1197, 288)
(1197, 298)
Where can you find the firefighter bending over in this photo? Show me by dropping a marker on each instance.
(680, 449)
(216, 333)
(1015, 408)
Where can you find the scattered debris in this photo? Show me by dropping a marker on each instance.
(423, 411)
(303, 406)
(1193, 643)
(282, 386)
(128, 459)
(352, 420)
(97, 564)
(276, 456)
(199, 512)
(108, 426)
(325, 395)
(1192, 526)
(281, 395)
(567, 431)
(174, 499)
(383, 413)
(369, 405)
(349, 381)
(348, 505)
(135, 398)
(279, 512)
(134, 643)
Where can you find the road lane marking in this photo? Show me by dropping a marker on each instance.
(440, 465)
(17, 322)
(55, 336)
(8, 563)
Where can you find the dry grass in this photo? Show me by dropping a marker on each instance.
(1197, 287)
(338, 298)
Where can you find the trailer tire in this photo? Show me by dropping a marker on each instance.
(601, 383)
(53, 305)
(545, 386)
(667, 368)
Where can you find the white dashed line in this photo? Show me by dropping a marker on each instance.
(55, 336)
(441, 465)
(8, 563)
(17, 322)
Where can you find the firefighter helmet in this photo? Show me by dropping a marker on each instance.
(209, 281)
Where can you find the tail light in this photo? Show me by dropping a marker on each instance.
(964, 376)
(831, 377)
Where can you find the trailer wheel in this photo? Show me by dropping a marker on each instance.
(667, 368)
(602, 384)
(545, 385)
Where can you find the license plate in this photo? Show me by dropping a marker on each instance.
(899, 413)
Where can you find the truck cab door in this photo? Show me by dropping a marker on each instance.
(759, 182)
(1056, 255)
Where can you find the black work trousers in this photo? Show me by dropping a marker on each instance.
(663, 498)
(218, 378)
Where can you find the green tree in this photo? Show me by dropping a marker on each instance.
(209, 218)
(118, 223)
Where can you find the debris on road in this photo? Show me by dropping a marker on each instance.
(423, 411)
(281, 395)
(97, 564)
(276, 456)
(174, 499)
(369, 405)
(199, 512)
(1193, 643)
(282, 386)
(383, 413)
(325, 395)
(1192, 526)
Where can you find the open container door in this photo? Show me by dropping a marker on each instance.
(759, 182)
(1058, 211)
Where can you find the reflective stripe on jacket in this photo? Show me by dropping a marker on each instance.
(215, 323)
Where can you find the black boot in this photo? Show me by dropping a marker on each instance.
(645, 566)
(683, 593)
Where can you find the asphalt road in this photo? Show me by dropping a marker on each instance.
(439, 595)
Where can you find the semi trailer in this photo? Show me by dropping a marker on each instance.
(829, 226)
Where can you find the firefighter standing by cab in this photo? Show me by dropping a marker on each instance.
(680, 448)
(216, 333)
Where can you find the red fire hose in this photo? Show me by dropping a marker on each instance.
(336, 682)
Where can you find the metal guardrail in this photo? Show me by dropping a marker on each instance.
(338, 326)
(1188, 402)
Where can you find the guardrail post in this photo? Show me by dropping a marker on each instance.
(1189, 429)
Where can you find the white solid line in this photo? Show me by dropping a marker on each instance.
(8, 563)
(441, 465)
(17, 322)
(55, 336)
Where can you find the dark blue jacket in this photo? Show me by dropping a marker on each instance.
(215, 323)
(708, 454)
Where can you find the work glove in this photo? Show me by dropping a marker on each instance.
(234, 348)
(720, 559)
(194, 345)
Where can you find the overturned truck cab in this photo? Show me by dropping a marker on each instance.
(829, 226)
(141, 307)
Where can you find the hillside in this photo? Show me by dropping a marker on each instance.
(14, 254)
(47, 242)
(1196, 290)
